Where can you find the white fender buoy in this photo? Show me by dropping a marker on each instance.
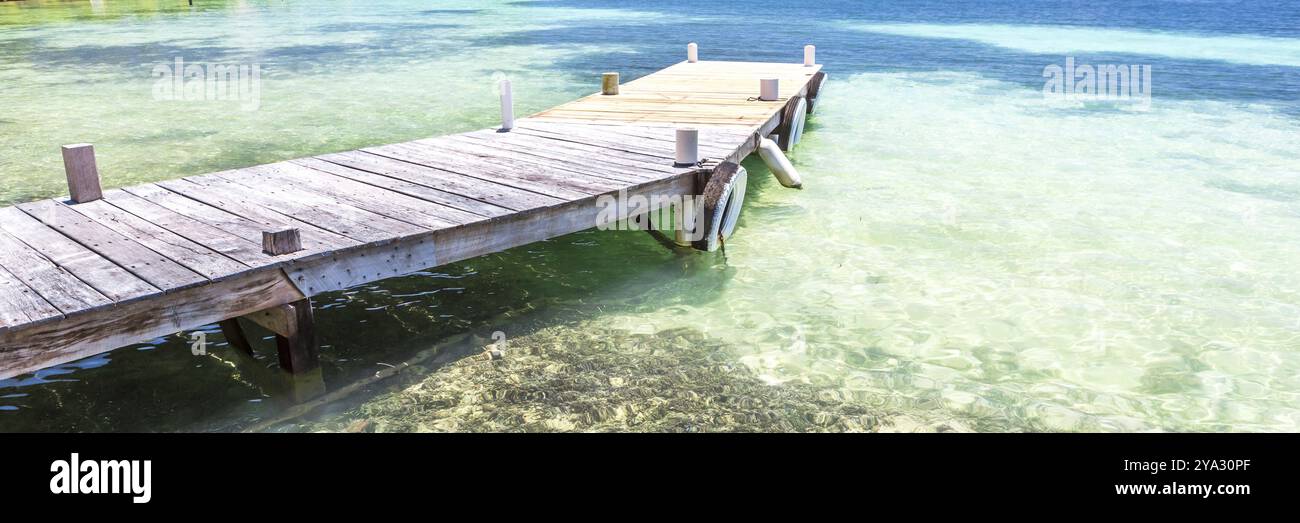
(779, 164)
(724, 195)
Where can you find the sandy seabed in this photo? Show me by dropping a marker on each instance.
(568, 378)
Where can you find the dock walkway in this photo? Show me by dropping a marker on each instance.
(77, 279)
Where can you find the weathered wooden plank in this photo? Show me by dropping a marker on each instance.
(487, 191)
(640, 164)
(39, 345)
(203, 233)
(448, 155)
(415, 190)
(54, 283)
(198, 258)
(96, 271)
(19, 304)
(237, 218)
(265, 186)
(617, 165)
(380, 201)
(575, 165)
(623, 170)
(147, 264)
(249, 204)
(432, 155)
(467, 242)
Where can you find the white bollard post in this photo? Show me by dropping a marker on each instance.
(692, 52)
(768, 89)
(809, 55)
(507, 107)
(688, 146)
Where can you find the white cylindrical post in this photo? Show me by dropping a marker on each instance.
(507, 106)
(809, 55)
(768, 89)
(688, 146)
(692, 52)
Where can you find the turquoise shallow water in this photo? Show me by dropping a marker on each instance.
(962, 248)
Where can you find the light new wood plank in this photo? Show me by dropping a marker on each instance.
(617, 138)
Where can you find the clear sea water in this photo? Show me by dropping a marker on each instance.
(961, 246)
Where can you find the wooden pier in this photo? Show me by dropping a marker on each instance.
(104, 269)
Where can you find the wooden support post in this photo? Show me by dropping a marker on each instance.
(294, 326)
(294, 388)
(235, 335)
(283, 241)
(83, 175)
(609, 83)
(692, 52)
